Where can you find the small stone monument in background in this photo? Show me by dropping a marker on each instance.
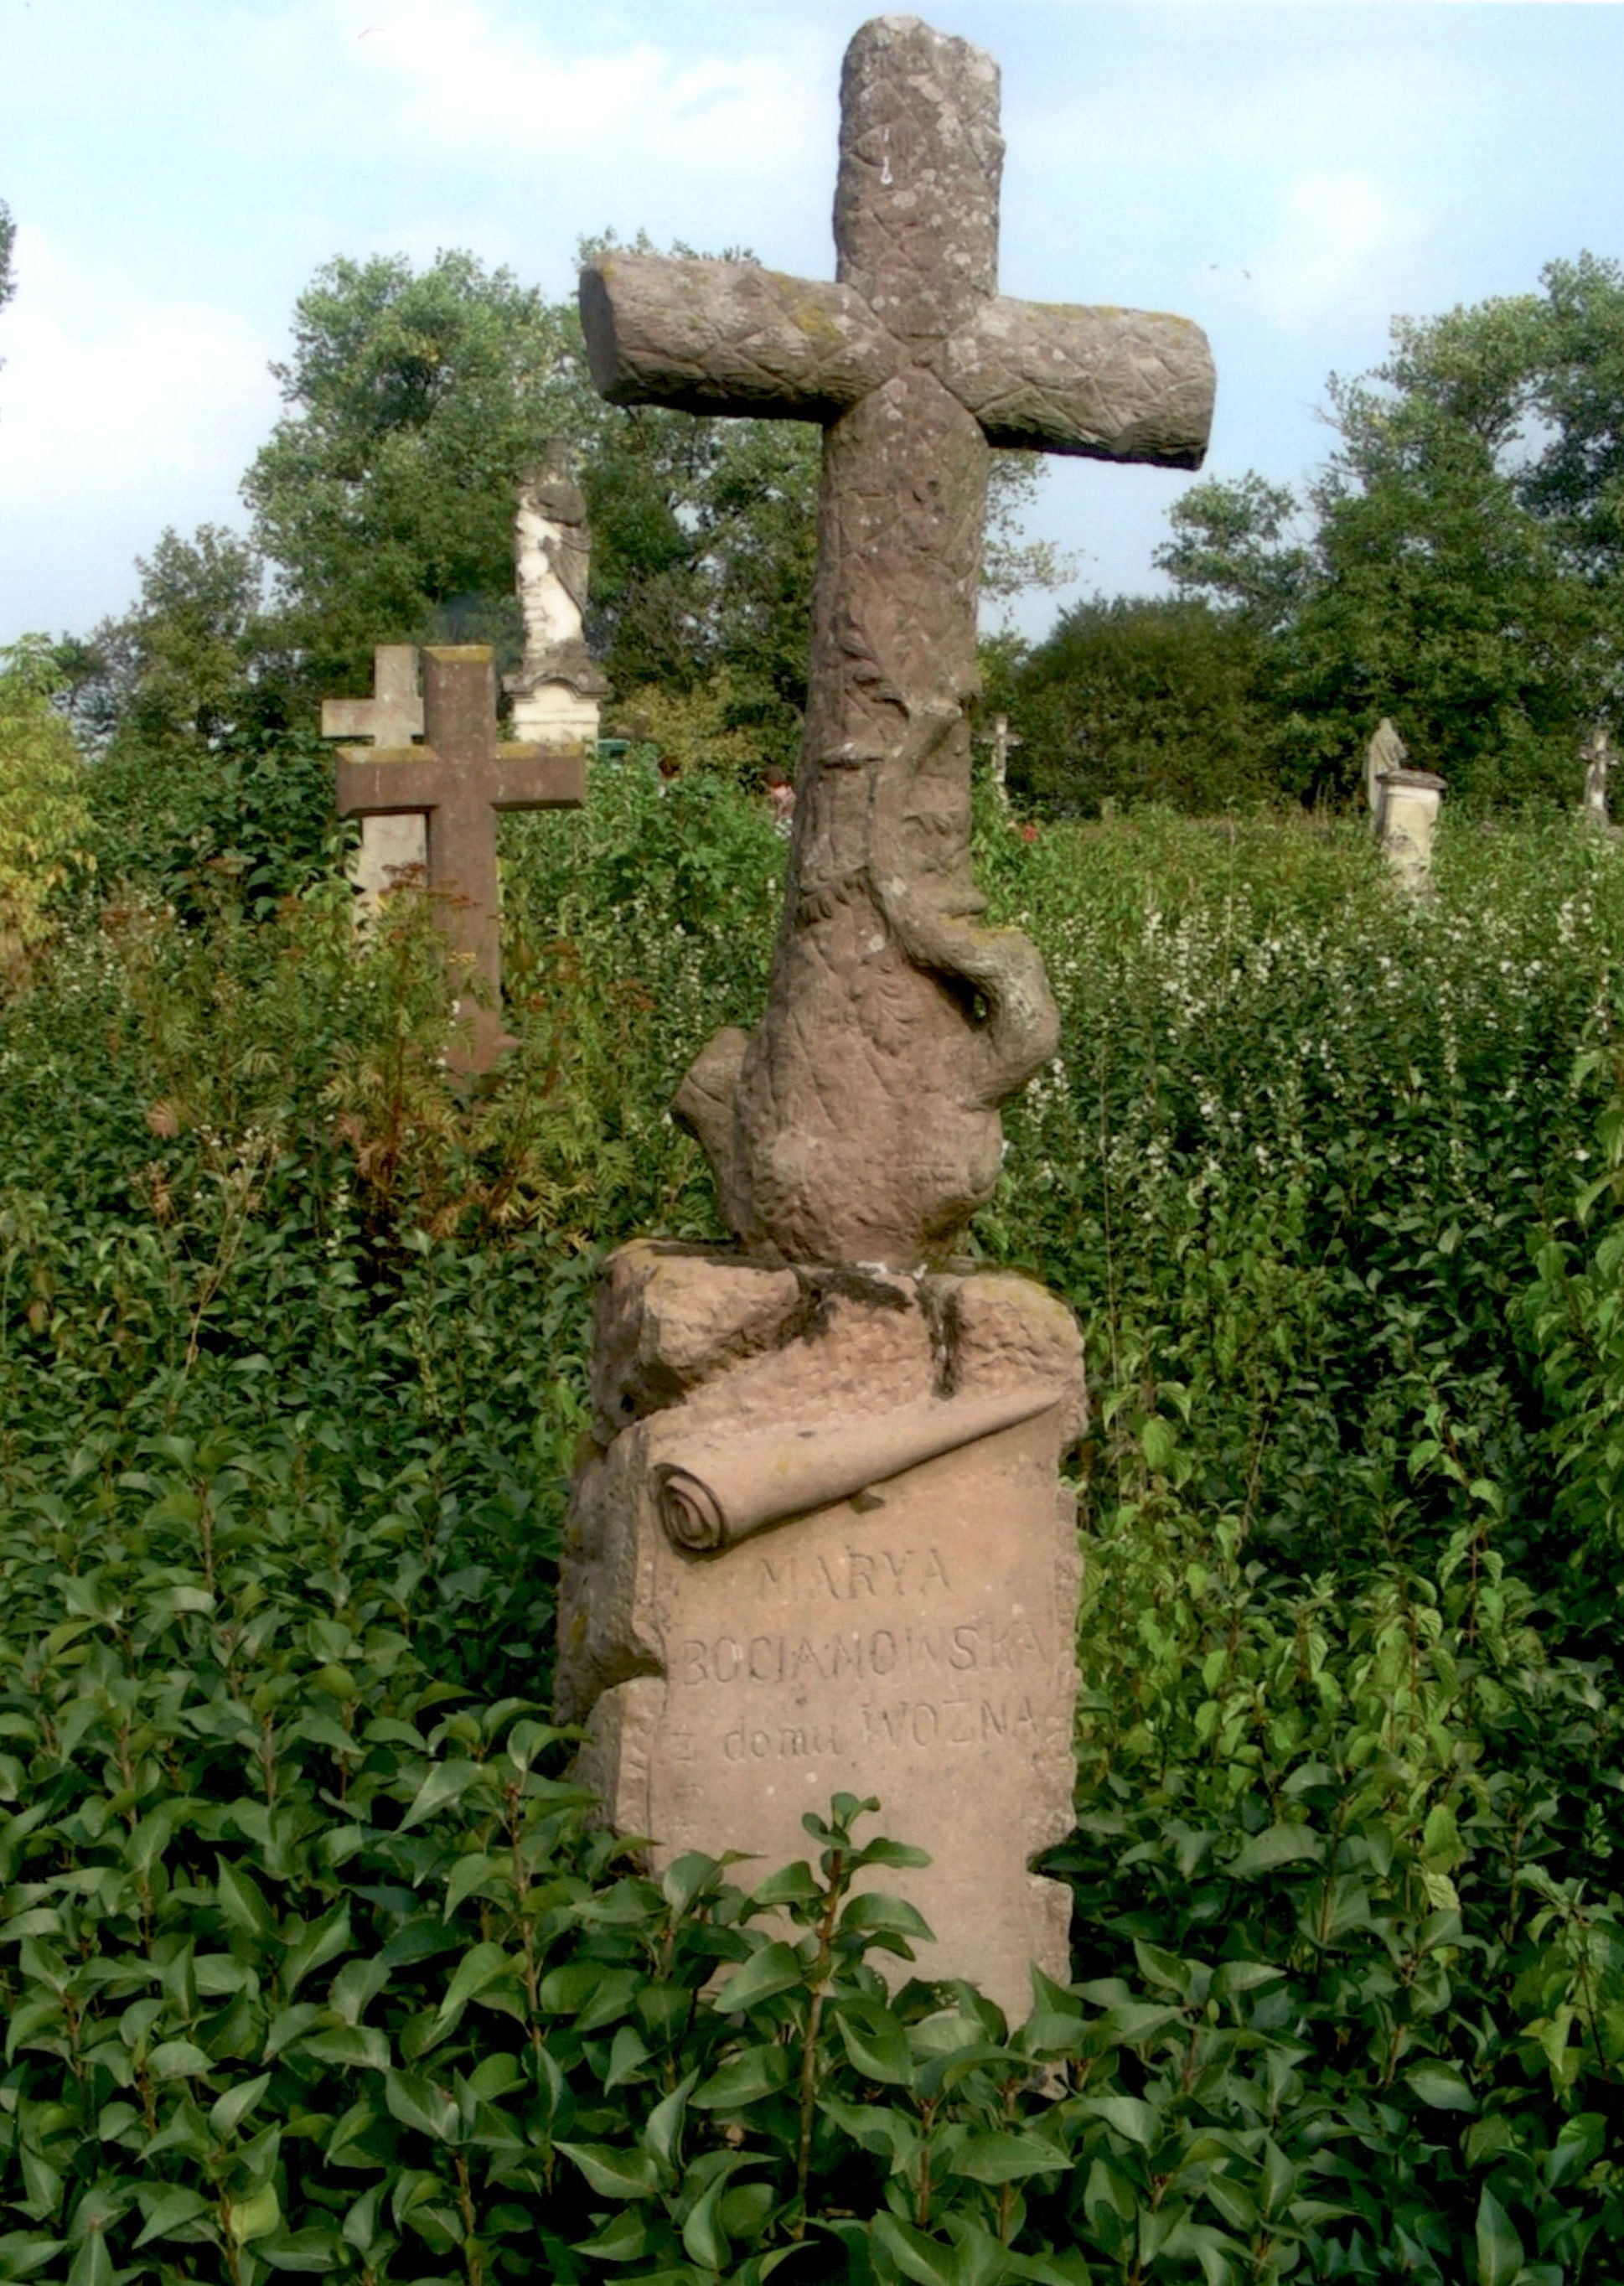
(393, 849)
(1386, 751)
(822, 1542)
(1410, 803)
(1002, 742)
(1599, 758)
(557, 690)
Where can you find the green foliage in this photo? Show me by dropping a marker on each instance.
(1574, 1317)
(382, 503)
(1142, 701)
(1465, 569)
(385, 494)
(704, 537)
(183, 672)
(1232, 543)
(308, 1956)
(44, 825)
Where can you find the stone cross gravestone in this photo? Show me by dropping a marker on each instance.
(821, 1542)
(1598, 759)
(461, 777)
(394, 847)
(557, 691)
(1003, 741)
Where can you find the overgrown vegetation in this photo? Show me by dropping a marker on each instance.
(308, 1959)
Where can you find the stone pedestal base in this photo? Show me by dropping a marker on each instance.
(822, 1546)
(1410, 802)
(553, 714)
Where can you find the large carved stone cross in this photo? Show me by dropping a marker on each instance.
(860, 1123)
(460, 776)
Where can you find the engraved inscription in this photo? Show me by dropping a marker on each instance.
(783, 1742)
(850, 1574)
(961, 1720)
(860, 1654)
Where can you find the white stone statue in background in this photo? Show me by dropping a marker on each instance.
(557, 690)
(1386, 751)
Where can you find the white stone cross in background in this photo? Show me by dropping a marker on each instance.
(394, 848)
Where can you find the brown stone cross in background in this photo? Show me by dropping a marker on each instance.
(860, 1122)
(460, 776)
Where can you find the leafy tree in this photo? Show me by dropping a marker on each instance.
(1464, 570)
(384, 497)
(704, 540)
(1232, 546)
(1576, 477)
(1141, 700)
(1444, 601)
(186, 669)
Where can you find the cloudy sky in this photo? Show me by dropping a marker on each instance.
(1289, 175)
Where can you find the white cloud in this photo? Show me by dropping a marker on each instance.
(1335, 247)
(477, 82)
(118, 414)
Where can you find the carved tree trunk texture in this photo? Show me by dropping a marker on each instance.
(860, 1122)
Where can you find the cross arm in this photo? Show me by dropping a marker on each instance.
(375, 781)
(347, 718)
(535, 777)
(1108, 384)
(728, 337)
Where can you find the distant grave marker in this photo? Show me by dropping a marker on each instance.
(1411, 801)
(459, 779)
(557, 691)
(394, 847)
(1599, 760)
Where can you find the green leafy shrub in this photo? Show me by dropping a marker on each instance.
(44, 827)
(311, 1957)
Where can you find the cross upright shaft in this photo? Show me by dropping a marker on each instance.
(860, 1122)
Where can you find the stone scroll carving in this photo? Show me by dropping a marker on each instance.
(712, 1496)
(860, 1121)
(885, 1595)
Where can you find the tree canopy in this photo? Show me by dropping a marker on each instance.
(1142, 699)
(1459, 562)
(383, 497)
